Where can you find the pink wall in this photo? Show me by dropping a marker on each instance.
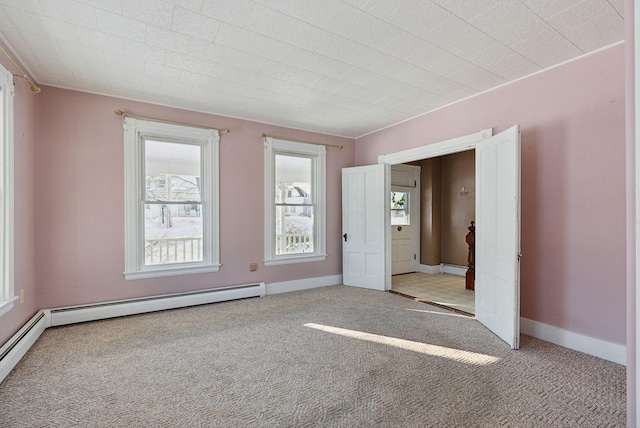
(80, 220)
(24, 204)
(573, 185)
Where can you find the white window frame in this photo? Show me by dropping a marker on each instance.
(135, 133)
(7, 291)
(317, 154)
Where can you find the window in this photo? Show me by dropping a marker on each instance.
(7, 293)
(400, 208)
(294, 202)
(171, 201)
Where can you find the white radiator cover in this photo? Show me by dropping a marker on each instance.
(98, 311)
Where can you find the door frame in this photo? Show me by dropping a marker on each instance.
(441, 148)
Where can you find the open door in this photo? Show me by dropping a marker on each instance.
(365, 220)
(498, 235)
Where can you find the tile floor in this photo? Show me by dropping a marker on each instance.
(441, 289)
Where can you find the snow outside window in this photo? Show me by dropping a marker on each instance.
(7, 292)
(171, 207)
(294, 202)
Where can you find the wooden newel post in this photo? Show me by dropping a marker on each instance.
(471, 272)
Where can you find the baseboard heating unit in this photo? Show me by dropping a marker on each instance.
(98, 311)
(16, 347)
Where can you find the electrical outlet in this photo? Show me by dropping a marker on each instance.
(253, 267)
(22, 296)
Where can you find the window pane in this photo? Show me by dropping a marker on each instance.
(173, 233)
(172, 171)
(400, 208)
(294, 229)
(293, 180)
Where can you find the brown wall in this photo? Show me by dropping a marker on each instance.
(445, 214)
(458, 170)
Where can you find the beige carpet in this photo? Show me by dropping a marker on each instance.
(441, 289)
(335, 356)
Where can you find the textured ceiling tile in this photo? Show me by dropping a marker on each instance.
(510, 22)
(590, 24)
(547, 48)
(327, 84)
(458, 37)
(289, 30)
(320, 64)
(28, 5)
(370, 96)
(344, 20)
(194, 24)
(356, 3)
(287, 73)
(53, 28)
(118, 25)
(159, 71)
(203, 49)
(274, 4)
(71, 12)
(149, 11)
(349, 90)
(547, 8)
(230, 11)
(422, 79)
(114, 6)
(341, 49)
(503, 61)
(83, 53)
(124, 62)
(414, 50)
(467, 10)
(213, 69)
(253, 43)
(10, 18)
(99, 40)
(606, 30)
(194, 5)
(166, 39)
(144, 52)
(413, 16)
(476, 78)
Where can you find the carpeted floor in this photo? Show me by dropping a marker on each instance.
(334, 356)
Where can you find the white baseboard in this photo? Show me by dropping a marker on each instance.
(303, 284)
(83, 313)
(609, 351)
(16, 347)
(453, 269)
(429, 269)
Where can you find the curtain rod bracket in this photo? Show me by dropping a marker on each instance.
(124, 115)
(339, 147)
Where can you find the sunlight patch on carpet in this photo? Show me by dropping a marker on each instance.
(458, 355)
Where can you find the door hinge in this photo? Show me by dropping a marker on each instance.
(414, 257)
(415, 183)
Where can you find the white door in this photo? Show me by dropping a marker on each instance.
(498, 235)
(404, 203)
(365, 226)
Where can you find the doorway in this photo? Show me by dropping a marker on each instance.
(366, 251)
(445, 187)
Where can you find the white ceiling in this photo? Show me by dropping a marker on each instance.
(337, 67)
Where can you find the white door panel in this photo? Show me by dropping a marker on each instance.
(365, 216)
(404, 232)
(498, 235)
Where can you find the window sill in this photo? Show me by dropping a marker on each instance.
(7, 305)
(170, 271)
(285, 260)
